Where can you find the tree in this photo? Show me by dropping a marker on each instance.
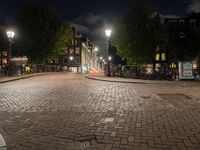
(138, 32)
(61, 39)
(43, 35)
(3, 37)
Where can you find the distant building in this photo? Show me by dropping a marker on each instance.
(79, 54)
(178, 28)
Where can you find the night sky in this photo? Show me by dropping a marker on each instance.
(91, 16)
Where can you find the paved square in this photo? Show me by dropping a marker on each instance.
(64, 111)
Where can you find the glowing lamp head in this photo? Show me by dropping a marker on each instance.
(71, 58)
(96, 49)
(10, 34)
(108, 32)
(109, 58)
(101, 58)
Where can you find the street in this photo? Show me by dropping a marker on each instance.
(61, 111)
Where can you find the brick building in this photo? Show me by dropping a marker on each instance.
(79, 54)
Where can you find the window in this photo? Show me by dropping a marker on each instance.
(77, 60)
(71, 50)
(163, 57)
(77, 50)
(76, 42)
(66, 51)
(65, 61)
(173, 65)
(72, 42)
(157, 57)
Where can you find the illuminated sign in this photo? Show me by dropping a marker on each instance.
(186, 70)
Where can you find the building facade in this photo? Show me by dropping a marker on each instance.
(79, 54)
(180, 30)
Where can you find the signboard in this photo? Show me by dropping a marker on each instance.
(186, 70)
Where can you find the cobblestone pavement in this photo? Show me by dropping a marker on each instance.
(67, 111)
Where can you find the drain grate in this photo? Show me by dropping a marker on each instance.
(174, 96)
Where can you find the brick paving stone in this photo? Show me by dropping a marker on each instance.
(123, 141)
(65, 111)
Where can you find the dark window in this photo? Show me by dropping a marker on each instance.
(65, 60)
(77, 60)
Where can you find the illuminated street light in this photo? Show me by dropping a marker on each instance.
(101, 58)
(108, 33)
(71, 58)
(109, 58)
(10, 35)
(96, 49)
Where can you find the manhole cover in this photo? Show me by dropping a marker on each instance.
(173, 96)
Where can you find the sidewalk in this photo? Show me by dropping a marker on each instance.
(101, 77)
(4, 79)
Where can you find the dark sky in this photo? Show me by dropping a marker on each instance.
(70, 9)
(91, 16)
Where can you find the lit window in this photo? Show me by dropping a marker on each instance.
(173, 65)
(66, 50)
(163, 57)
(72, 42)
(77, 50)
(71, 51)
(76, 42)
(157, 57)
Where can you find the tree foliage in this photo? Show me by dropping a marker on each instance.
(3, 37)
(138, 33)
(42, 33)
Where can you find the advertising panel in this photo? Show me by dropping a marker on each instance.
(186, 70)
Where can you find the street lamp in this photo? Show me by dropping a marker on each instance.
(109, 58)
(96, 49)
(94, 54)
(71, 58)
(10, 35)
(108, 33)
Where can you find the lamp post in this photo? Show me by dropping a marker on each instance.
(71, 58)
(96, 49)
(108, 33)
(100, 62)
(10, 35)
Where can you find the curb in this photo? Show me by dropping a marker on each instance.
(20, 78)
(99, 79)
